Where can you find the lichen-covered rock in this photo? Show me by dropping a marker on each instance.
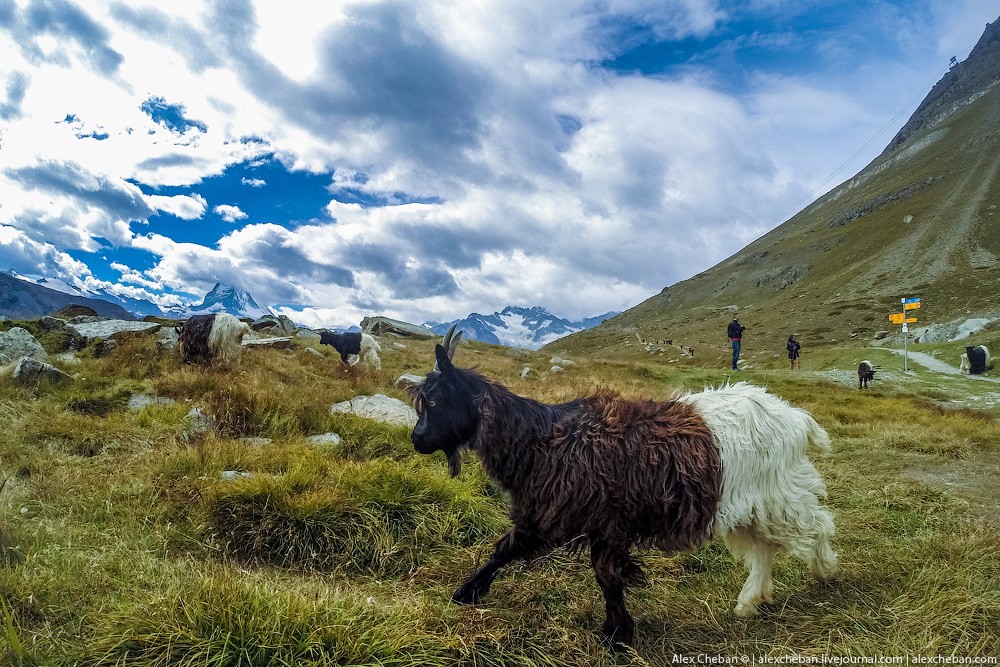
(17, 343)
(30, 371)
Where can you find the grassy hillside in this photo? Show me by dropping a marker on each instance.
(123, 544)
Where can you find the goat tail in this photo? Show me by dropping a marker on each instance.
(816, 435)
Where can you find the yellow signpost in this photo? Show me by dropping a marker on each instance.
(901, 318)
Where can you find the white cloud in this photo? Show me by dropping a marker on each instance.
(547, 177)
(186, 207)
(230, 213)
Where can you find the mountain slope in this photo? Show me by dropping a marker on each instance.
(22, 299)
(920, 220)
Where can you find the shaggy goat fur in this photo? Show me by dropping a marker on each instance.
(770, 489)
(866, 373)
(975, 360)
(217, 337)
(616, 473)
(361, 344)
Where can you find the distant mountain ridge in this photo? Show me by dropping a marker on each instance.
(515, 326)
(26, 299)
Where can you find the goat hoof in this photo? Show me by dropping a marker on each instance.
(618, 637)
(745, 610)
(467, 595)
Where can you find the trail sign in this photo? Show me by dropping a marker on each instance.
(900, 318)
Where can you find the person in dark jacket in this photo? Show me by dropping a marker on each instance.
(793, 347)
(735, 333)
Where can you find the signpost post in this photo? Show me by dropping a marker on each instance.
(901, 318)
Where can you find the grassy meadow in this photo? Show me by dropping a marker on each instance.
(122, 544)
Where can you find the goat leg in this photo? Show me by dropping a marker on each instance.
(518, 543)
(613, 568)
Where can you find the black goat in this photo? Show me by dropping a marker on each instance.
(866, 373)
(615, 473)
(361, 344)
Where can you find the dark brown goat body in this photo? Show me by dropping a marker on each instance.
(603, 468)
(193, 339)
(600, 470)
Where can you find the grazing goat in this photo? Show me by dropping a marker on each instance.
(729, 462)
(361, 344)
(866, 373)
(204, 339)
(976, 360)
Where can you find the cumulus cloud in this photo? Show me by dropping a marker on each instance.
(27, 256)
(476, 155)
(187, 207)
(230, 213)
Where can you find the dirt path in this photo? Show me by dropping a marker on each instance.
(938, 366)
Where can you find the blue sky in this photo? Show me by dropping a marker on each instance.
(428, 160)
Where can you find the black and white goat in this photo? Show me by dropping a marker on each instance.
(612, 472)
(218, 337)
(975, 360)
(361, 344)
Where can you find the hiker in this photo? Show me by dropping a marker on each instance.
(793, 348)
(735, 333)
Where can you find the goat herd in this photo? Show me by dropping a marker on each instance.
(614, 473)
(218, 338)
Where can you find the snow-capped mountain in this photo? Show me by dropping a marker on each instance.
(232, 300)
(518, 327)
(138, 307)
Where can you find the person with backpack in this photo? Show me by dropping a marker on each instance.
(735, 333)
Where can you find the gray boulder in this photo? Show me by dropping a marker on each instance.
(140, 401)
(379, 407)
(167, 338)
(30, 371)
(331, 438)
(275, 325)
(17, 343)
(199, 424)
(280, 343)
(308, 336)
(109, 328)
(381, 326)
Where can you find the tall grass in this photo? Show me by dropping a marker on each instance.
(123, 543)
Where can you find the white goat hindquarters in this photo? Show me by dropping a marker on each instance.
(225, 339)
(770, 489)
